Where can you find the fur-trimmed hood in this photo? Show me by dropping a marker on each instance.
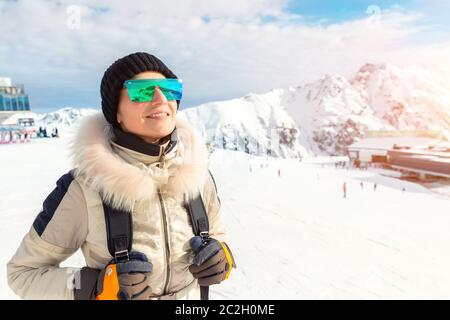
(100, 166)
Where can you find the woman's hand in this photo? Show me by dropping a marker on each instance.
(212, 263)
(117, 281)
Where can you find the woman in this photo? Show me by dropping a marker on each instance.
(136, 158)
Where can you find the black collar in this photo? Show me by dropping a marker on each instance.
(133, 142)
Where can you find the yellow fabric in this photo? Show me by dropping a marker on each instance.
(229, 258)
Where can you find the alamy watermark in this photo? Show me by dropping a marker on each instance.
(73, 21)
(374, 13)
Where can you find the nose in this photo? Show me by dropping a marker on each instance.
(158, 97)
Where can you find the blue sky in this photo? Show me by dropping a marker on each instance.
(332, 11)
(338, 11)
(221, 49)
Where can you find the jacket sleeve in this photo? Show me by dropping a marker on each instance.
(217, 229)
(58, 231)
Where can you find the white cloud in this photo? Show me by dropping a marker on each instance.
(219, 48)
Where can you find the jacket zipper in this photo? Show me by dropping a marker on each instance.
(166, 232)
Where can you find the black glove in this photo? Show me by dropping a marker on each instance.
(123, 280)
(213, 261)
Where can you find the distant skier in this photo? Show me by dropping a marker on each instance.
(374, 187)
(344, 189)
(362, 185)
(55, 132)
(279, 172)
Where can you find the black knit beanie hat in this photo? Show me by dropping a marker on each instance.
(124, 69)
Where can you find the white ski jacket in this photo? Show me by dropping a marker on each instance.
(72, 215)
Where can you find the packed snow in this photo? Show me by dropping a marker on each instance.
(293, 233)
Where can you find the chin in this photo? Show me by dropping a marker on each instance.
(161, 133)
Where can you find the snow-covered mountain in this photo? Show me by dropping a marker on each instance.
(406, 98)
(257, 124)
(320, 118)
(327, 115)
(65, 117)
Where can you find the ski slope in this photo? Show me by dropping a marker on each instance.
(294, 236)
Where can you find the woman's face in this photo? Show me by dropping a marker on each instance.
(151, 120)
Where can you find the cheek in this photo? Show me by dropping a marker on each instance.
(173, 109)
(132, 120)
(174, 116)
(128, 110)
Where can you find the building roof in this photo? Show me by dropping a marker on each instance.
(13, 128)
(387, 143)
(421, 161)
(5, 82)
(11, 118)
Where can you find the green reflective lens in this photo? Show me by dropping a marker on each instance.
(142, 90)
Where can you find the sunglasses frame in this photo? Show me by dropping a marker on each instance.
(172, 89)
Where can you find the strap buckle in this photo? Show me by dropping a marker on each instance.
(205, 237)
(121, 255)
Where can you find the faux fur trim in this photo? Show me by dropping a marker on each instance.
(120, 183)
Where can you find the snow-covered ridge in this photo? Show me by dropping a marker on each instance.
(257, 124)
(327, 115)
(321, 117)
(64, 117)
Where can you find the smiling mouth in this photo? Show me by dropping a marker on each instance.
(158, 115)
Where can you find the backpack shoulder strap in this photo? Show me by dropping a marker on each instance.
(198, 215)
(200, 225)
(119, 231)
